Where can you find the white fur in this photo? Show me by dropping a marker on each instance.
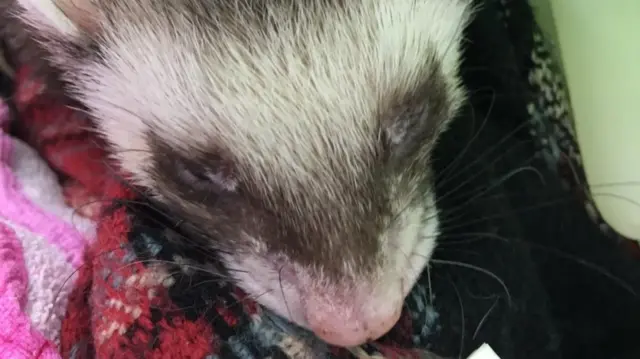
(333, 93)
(46, 15)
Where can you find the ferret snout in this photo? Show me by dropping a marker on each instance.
(345, 310)
(343, 313)
(342, 300)
(351, 319)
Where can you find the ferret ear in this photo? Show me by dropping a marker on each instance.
(66, 19)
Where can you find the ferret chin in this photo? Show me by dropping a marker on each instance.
(296, 135)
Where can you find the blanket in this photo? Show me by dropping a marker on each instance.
(88, 268)
(41, 245)
(43, 240)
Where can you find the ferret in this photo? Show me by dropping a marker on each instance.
(296, 134)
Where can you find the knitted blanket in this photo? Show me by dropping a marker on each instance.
(88, 270)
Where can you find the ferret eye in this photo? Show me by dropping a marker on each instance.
(206, 179)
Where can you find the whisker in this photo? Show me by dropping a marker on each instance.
(479, 173)
(490, 150)
(500, 181)
(429, 284)
(462, 318)
(164, 261)
(478, 269)
(284, 297)
(536, 246)
(617, 196)
(453, 164)
(520, 210)
(594, 267)
(484, 318)
(476, 236)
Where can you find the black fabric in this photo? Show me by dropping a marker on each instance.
(573, 290)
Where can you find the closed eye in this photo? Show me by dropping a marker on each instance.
(206, 179)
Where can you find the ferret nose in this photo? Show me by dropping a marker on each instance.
(350, 322)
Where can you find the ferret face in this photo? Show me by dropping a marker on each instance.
(295, 134)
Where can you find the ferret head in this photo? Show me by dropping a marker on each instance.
(295, 134)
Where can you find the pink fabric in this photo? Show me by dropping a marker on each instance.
(41, 246)
(21, 210)
(17, 338)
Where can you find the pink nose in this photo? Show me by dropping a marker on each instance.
(347, 326)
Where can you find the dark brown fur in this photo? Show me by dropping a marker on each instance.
(281, 224)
